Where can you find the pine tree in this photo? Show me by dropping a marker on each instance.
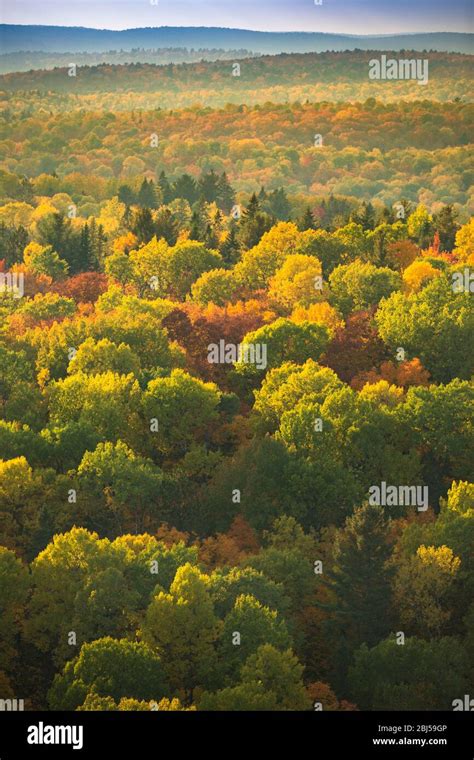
(307, 220)
(279, 205)
(254, 224)
(225, 194)
(126, 195)
(97, 244)
(210, 238)
(85, 248)
(143, 225)
(361, 584)
(230, 249)
(208, 187)
(364, 215)
(185, 187)
(166, 226)
(444, 221)
(165, 187)
(197, 229)
(147, 195)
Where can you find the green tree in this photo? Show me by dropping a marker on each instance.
(420, 675)
(109, 668)
(183, 629)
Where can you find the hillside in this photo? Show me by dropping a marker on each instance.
(63, 39)
(283, 78)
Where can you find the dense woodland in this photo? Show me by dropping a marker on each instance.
(179, 534)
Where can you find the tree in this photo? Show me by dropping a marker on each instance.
(418, 274)
(225, 193)
(185, 408)
(298, 281)
(130, 485)
(147, 195)
(96, 357)
(43, 260)
(420, 675)
(185, 263)
(58, 573)
(183, 629)
(421, 585)
(208, 186)
(227, 584)
(217, 286)
(110, 402)
(420, 226)
(360, 582)
(465, 241)
(165, 187)
(22, 491)
(185, 187)
(286, 341)
(307, 221)
(254, 625)
(14, 587)
(278, 204)
(166, 226)
(360, 285)
(56, 231)
(230, 248)
(143, 225)
(435, 324)
(109, 668)
(126, 195)
(280, 673)
(254, 224)
(445, 224)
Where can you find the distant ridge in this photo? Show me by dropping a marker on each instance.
(64, 39)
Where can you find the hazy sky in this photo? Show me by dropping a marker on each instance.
(346, 16)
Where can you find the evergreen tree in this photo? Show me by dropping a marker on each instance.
(254, 224)
(13, 241)
(85, 248)
(208, 186)
(360, 581)
(166, 226)
(98, 242)
(226, 195)
(197, 229)
(307, 221)
(364, 215)
(210, 238)
(147, 194)
(278, 204)
(126, 195)
(185, 187)
(143, 225)
(167, 194)
(444, 222)
(55, 230)
(230, 249)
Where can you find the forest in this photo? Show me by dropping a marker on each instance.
(182, 532)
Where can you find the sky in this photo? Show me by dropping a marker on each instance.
(342, 16)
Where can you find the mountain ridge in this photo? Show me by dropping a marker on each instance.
(64, 39)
